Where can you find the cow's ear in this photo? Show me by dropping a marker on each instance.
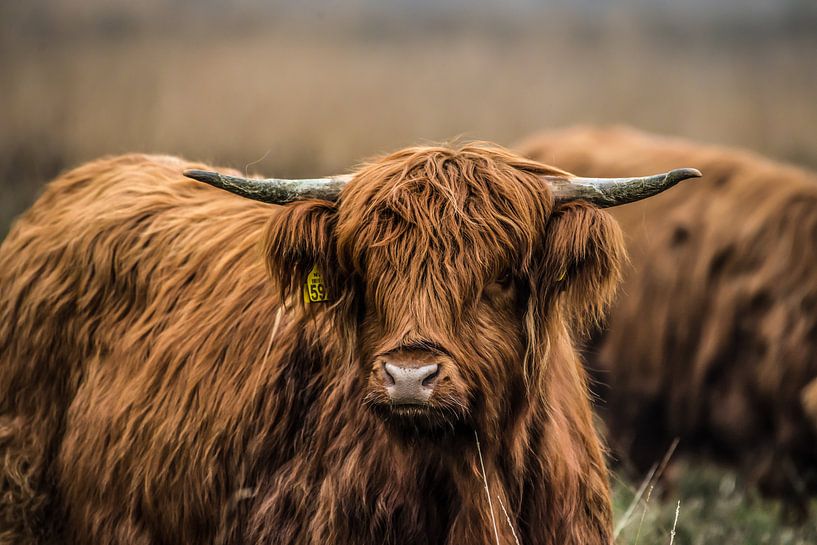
(301, 239)
(584, 255)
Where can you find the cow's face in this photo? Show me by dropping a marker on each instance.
(449, 272)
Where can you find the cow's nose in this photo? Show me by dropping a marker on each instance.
(410, 384)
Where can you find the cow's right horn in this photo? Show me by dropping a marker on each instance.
(273, 190)
(607, 192)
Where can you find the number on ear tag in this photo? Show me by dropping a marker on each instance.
(314, 288)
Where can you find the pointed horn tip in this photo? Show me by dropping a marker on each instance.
(684, 173)
(200, 175)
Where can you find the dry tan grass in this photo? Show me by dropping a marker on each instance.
(315, 99)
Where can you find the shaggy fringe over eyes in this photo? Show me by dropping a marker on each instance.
(489, 199)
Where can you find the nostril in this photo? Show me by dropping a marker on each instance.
(429, 381)
(388, 379)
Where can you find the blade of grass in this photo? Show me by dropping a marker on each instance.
(643, 514)
(508, 518)
(675, 524)
(487, 492)
(655, 473)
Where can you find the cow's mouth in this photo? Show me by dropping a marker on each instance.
(412, 411)
(404, 411)
(418, 419)
(410, 408)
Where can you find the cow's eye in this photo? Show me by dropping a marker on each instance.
(500, 286)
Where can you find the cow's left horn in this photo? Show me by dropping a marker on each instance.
(273, 190)
(607, 192)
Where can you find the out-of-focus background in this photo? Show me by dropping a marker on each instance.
(314, 86)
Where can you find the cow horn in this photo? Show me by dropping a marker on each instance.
(273, 190)
(607, 192)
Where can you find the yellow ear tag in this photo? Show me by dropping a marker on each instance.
(314, 288)
(561, 277)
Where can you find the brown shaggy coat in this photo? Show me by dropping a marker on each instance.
(163, 381)
(714, 336)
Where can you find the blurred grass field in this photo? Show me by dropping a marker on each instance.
(313, 90)
(716, 508)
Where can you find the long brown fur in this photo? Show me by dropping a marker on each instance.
(714, 336)
(162, 380)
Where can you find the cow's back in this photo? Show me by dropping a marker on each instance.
(121, 294)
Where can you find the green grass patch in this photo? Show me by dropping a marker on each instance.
(715, 509)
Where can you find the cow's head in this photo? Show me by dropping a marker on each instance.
(449, 272)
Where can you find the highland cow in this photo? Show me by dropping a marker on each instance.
(714, 337)
(182, 365)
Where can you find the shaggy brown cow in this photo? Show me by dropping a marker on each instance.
(714, 338)
(156, 388)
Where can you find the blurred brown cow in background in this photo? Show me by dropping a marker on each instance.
(713, 337)
(155, 389)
